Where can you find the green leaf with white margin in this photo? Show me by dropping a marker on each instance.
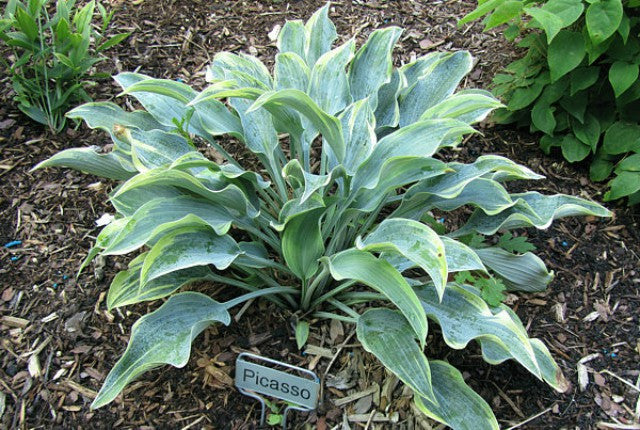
(320, 33)
(378, 274)
(433, 86)
(395, 173)
(524, 272)
(125, 289)
(294, 207)
(302, 243)
(328, 84)
(457, 406)
(464, 316)
(290, 71)
(128, 203)
(387, 335)
(162, 337)
(327, 124)
(142, 225)
(228, 195)
(245, 64)
(358, 129)
(155, 148)
(531, 209)
(89, 160)
(105, 115)
(485, 194)
(372, 65)
(421, 139)
(468, 106)
(387, 110)
(293, 38)
(413, 240)
(188, 247)
(310, 183)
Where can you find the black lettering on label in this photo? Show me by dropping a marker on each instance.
(285, 388)
(248, 373)
(274, 385)
(302, 394)
(295, 390)
(264, 384)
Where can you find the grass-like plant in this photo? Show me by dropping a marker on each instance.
(340, 229)
(53, 52)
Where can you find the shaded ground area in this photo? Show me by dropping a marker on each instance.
(58, 342)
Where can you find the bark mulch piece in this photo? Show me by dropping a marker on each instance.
(58, 341)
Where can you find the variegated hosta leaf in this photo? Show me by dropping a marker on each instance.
(418, 140)
(387, 335)
(358, 129)
(88, 160)
(485, 194)
(320, 34)
(433, 85)
(150, 218)
(468, 106)
(105, 115)
(388, 110)
(414, 241)
(188, 247)
(293, 38)
(302, 255)
(531, 209)
(457, 405)
(327, 124)
(228, 195)
(372, 65)
(290, 72)
(162, 337)
(155, 148)
(328, 84)
(247, 65)
(308, 182)
(464, 316)
(294, 207)
(524, 272)
(129, 202)
(125, 289)
(459, 258)
(378, 274)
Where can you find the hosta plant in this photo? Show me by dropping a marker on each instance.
(334, 223)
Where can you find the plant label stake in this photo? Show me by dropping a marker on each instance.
(253, 379)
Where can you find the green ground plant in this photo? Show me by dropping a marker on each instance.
(577, 83)
(54, 51)
(333, 222)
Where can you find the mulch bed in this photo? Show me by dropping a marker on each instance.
(58, 341)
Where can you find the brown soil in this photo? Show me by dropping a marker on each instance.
(54, 359)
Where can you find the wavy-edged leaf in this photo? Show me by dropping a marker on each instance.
(372, 65)
(310, 183)
(155, 148)
(142, 225)
(188, 247)
(387, 335)
(294, 207)
(89, 160)
(162, 337)
(358, 129)
(302, 243)
(125, 289)
(245, 64)
(413, 240)
(328, 84)
(457, 406)
(421, 139)
(105, 115)
(433, 85)
(531, 210)
(468, 106)
(524, 272)
(378, 274)
(129, 202)
(327, 124)
(387, 110)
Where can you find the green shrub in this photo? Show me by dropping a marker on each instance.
(53, 55)
(343, 225)
(577, 83)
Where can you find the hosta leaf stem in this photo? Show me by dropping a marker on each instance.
(344, 308)
(332, 316)
(331, 293)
